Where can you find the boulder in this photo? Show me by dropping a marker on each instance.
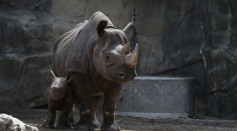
(10, 68)
(26, 41)
(2, 125)
(9, 123)
(34, 80)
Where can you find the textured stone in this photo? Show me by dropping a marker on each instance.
(164, 40)
(2, 125)
(119, 11)
(157, 95)
(68, 8)
(26, 41)
(24, 33)
(9, 77)
(34, 80)
(220, 51)
(14, 124)
(26, 4)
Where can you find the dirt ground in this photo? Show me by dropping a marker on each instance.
(37, 117)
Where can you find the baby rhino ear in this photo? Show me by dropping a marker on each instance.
(101, 27)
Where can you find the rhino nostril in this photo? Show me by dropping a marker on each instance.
(121, 75)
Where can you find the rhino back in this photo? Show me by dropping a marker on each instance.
(62, 49)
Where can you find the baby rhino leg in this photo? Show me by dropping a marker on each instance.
(62, 118)
(62, 122)
(51, 118)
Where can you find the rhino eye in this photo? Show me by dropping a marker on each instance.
(108, 59)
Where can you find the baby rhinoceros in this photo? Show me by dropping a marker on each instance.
(60, 99)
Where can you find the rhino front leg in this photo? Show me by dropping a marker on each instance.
(82, 89)
(51, 118)
(110, 98)
(62, 122)
(96, 104)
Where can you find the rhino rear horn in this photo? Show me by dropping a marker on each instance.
(101, 27)
(126, 48)
(131, 59)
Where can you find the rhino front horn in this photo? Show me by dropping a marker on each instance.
(131, 59)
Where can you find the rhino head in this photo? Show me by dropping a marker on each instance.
(112, 57)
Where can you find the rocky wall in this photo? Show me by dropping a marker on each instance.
(27, 33)
(194, 38)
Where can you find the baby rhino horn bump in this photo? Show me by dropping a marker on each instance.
(126, 48)
(131, 59)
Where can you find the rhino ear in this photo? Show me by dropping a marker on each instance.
(128, 27)
(101, 27)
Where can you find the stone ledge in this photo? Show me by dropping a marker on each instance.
(162, 78)
(158, 96)
(153, 115)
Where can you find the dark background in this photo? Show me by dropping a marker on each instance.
(194, 38)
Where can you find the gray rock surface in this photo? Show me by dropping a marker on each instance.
(189, 38)
(26, 40)
(160, 94)
(2, 125)
(9, 123)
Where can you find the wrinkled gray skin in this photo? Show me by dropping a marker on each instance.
(94, 57)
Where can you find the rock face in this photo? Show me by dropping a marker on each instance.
(221, 55)
(26, 38)
(194, 38)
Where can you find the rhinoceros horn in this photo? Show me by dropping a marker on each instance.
(131, 59)
(126, 48)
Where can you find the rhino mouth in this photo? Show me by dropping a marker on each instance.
(124, 77)
(121, 75)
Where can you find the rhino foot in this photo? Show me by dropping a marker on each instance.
(48, 125)
(60, 127)
(96, 124)
(113, 127)
(88, 126)
(83, 127)
(70, 124)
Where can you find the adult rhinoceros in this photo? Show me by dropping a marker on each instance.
(96, 58)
